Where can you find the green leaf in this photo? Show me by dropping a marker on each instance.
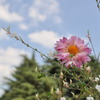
(41, 75)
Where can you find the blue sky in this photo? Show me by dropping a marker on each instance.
(40, 23)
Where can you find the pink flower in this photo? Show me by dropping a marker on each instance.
(72, 51)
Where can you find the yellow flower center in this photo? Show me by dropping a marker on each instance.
(73, 49)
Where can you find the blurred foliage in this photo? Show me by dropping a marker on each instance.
(27, 82)
(34, 82)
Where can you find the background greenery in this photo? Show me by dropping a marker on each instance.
(30, 79)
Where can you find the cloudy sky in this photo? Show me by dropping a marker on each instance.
(40, 23)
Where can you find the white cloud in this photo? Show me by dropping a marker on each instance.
(8, 16)
(23, 26)
(42, 10)
(45, 38)
(11, 53)
(36, 15)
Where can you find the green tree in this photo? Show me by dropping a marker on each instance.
(27, 82)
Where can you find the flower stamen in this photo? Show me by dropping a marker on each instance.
(73, 49)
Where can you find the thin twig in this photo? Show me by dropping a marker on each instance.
(91, 44)
(14, 35)
(98, 4)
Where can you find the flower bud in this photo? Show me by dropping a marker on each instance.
(88, 69)
(65, 84)
(58, 91)
(61, 75)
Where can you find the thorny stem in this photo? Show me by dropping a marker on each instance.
(21, 40)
